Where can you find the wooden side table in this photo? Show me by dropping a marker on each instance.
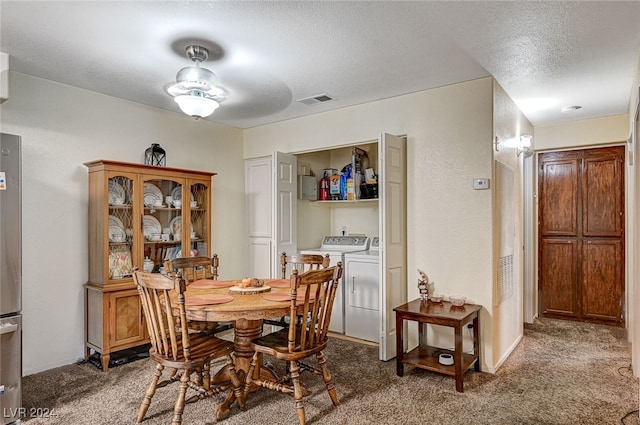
(425, 356)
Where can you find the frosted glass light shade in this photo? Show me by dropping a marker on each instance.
(525, 140)
(196, 106)
(525, 146)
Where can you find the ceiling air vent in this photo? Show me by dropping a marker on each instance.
(313, 100)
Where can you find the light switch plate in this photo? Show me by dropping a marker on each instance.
(480, 184)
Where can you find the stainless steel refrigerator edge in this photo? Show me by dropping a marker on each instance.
(10, 279)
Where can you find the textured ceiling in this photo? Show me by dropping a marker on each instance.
(268, 54)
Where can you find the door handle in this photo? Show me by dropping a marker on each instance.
(353, 284)
(7, 329)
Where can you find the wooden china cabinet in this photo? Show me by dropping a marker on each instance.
(139, 215)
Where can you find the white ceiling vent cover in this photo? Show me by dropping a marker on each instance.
(315, 99)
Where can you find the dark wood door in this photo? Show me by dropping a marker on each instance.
(581, 235)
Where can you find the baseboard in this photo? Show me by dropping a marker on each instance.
(506, 354)
(352, 339)
(533, 319)
(44, 368)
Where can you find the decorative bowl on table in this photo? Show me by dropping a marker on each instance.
(250, 285)
(457, 300)
(436, 298)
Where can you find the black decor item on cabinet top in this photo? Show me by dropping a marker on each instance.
(155, 155)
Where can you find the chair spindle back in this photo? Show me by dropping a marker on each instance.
(303, 262)
(169, 336)
(316, 290)
(194, 268)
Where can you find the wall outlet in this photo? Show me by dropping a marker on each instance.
(344, 230)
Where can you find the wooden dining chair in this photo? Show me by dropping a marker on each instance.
(302, 263)
(193, 269)
(312, 295)
(174, 347)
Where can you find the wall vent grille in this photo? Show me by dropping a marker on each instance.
(504, 291)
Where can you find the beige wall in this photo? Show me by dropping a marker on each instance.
(509, 124)
(449, 143)
(596, 131)
(62, 127)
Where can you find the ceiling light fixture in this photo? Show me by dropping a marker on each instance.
(195, 89)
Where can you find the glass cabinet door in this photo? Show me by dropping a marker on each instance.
(162, 221)
(120, 226)
(200, 218)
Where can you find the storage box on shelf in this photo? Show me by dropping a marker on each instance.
(137, 212)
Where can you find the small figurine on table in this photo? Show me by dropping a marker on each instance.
(423, 285)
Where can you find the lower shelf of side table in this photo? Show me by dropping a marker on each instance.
(426, 357)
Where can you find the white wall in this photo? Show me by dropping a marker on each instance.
(62, 127)
(449, 143)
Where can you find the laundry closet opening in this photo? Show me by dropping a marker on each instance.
(285, 213)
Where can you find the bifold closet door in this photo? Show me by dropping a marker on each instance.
(581, 235)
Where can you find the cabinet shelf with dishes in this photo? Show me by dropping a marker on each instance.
(136, 212)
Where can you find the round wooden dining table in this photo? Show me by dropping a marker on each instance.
(246, 312)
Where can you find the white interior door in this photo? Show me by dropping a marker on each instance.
(258, 201)
(392, 183)
(284, 207)
(260, 257)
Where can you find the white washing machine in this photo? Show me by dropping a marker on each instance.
(362, 286)
(336, 247)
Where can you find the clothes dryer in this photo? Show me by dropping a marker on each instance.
(362, 296)
(336, 247)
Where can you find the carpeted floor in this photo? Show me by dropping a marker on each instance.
(561, 373)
